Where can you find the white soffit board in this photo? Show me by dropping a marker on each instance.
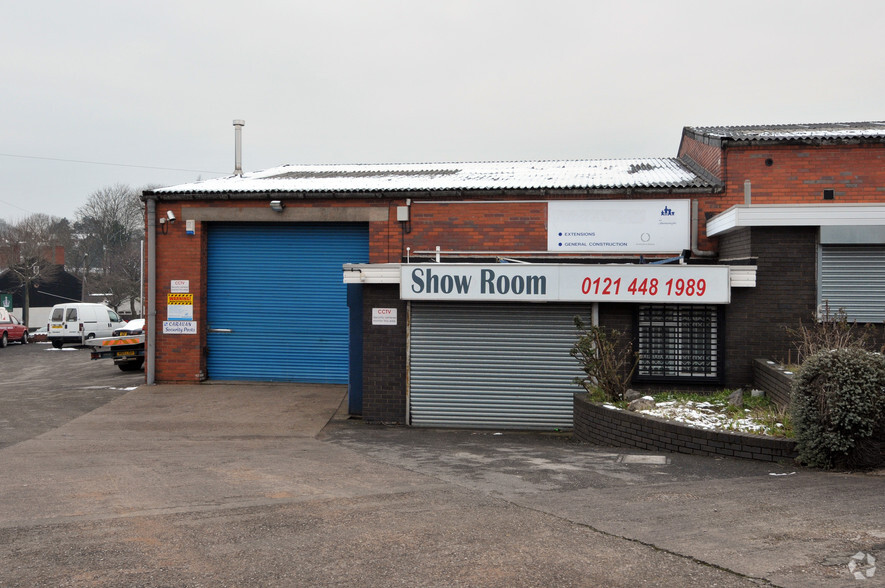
(798, 215)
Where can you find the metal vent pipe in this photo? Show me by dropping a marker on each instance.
(238, 146)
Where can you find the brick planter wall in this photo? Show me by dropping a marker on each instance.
(593, 423)
(774, 380)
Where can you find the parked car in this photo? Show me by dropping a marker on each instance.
(125, 347)
(77, 322)
(133, 327)
(11, 329)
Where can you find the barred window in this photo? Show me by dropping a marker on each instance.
(678, 342)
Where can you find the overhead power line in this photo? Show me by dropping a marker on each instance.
(204, 171)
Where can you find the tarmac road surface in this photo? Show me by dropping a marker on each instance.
(239, 484)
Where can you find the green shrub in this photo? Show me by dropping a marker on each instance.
(607, 359)
(838, 409)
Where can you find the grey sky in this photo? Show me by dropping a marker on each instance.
(158, 84)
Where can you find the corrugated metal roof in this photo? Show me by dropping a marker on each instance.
(815, 131)
(661, 173)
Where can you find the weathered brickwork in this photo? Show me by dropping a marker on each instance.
(180, 358)
(800, 174)
(774, 379)
(735, 245)
(707, 156)
(756, 321)
(593, 423)
(384, 357)
(478, 226)
(484, 223)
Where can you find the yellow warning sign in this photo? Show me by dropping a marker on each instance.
(180, 299)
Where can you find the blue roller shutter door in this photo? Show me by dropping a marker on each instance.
(277, 305)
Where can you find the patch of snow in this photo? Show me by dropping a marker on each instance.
(703, 415)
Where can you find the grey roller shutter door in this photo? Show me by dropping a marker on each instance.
(853, 278)
(504, 366)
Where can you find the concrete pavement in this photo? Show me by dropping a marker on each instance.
(233, 485)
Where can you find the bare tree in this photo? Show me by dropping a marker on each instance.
(27, 249)
(110, 225)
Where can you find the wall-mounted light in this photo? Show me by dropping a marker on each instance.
(170, 215)
(277, 205)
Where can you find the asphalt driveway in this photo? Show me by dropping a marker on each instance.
(233, 485)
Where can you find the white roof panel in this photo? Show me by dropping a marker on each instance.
(873, 130)
(580, 174)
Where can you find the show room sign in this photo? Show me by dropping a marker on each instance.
(618, 226)
(682, 284)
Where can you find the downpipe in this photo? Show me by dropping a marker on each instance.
(695, 229)
(150, 350)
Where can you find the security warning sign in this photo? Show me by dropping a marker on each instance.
(184, 299)
(180, 307)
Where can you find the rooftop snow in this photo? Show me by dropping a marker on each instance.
(817, 131)
(580, 174)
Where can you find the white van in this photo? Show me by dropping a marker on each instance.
(75, 322)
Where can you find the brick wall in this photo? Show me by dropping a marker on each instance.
(735, 245)
(478, 226)
(774, 379)
(785, 293)
(593, 423)
(800, 173)
(384, 357)
(707, 156)
(180, 358)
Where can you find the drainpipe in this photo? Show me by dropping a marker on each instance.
(150, 350)
(695, 228)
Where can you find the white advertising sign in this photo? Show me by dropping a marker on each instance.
(384, 316)
(179, 327)
(618, 226)
(645, 283)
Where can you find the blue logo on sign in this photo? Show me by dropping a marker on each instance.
(667, 212)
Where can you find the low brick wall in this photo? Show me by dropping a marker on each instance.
(774, 379)
(594, 423)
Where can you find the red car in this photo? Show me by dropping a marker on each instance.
(11, 329)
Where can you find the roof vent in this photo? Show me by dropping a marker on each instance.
(238, 146)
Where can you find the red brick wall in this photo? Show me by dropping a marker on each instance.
(181, 358)
(799, 174)
(478, 226)
(483, 226)
(707, 156)
(180, 257)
